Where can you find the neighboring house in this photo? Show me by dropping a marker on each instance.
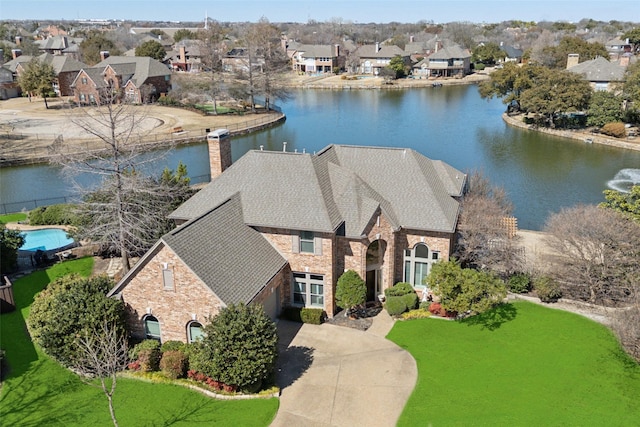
(512, 54)
(599, 72)
(237, 60)
(65, 67)
(142, 79)
(8, 87)
(617, 47)
(186, 56)
(452, 61)
(375, 57)
(59, 45)
(312, 59)
(279, 228)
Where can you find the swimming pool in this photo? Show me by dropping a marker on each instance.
(46, 239)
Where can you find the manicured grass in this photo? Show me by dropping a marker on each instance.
(38, 391)
(209, 108)
(14, 217)
(519, 365)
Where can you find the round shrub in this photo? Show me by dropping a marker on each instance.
(547, 289)
(173, 345)
(395, 305)
(399, 289)
(479, 66)
(148, 354)
(312, 315)
(520, 283)
(173, 364)
(70, 308)
(410, 300)
(615, 129)
(60, 214)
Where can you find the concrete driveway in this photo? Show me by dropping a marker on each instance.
(337, 376)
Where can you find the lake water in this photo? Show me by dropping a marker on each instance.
(541, 173)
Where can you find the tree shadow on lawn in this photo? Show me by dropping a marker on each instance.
(494, 318)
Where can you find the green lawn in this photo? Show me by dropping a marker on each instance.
(520, 365)
(209, 108)
(38, 391)
(14, 217)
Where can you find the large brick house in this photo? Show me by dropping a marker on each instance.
(279, 228)
(140, 78)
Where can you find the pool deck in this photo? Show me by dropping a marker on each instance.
(27, 227)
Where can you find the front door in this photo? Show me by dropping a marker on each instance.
(374, 284)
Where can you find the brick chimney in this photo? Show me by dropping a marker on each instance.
(219, 144)
(336, 50)
(18, 40)
(183, 55)
(624, 60)
(15, 53)
(572, 60)
(104, 54)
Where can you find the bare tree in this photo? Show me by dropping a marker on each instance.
(484, 239)
(599, 254)
(123, 214)
(102, 355)
(212, 45)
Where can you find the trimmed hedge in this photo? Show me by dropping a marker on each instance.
(399, 289)
(173, 364)
(410, 300)
(519, 283)
(395, 305)
(148, 354)
(547, 289)
(314, 316)
(615, 129)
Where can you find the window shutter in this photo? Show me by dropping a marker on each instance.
(317, 246)
(295, 244)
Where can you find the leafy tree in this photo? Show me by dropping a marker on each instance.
(625, 203)
(38, 77)
(597, 258)
(183, 34)
(555, 93)
(489, 54)
(73, 307)
(91, 47)
(10, 242)
(604, 107)
(239, 346)
(152, 49)
(631, 85)
(634, 37)
(509, 82)
(351, 290)
(465, 290)
(397, 65)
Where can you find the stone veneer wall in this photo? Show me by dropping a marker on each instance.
(190, 299)
(282, 240)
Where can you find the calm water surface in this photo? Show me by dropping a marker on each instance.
(541, 173)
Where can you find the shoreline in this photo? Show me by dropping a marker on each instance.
(577, 135)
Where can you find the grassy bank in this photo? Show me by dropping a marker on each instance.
(519, 365)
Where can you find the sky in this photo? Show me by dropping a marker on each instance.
(358, 11)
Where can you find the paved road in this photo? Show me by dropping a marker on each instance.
(337, 376)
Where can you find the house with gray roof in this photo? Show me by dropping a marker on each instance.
(600, 73)
(313, 58)
(373, 57)
(141, 79)
(279, 228)
(451, 61)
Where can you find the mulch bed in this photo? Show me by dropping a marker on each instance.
(361, 318)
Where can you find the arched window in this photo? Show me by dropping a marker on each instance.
(417, 264)
(151, 327)
(194, 331)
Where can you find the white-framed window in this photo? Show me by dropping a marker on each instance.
(151, 327)
(84, 80)
(194, 331)
(308, 290)
(82, 97)
(417, 264)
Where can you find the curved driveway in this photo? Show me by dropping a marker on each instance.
(337, 376)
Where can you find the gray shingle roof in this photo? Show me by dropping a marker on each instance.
(140, 67)
(316, 50)
(451, 52)
(339, 185)
(386, 51)
(232, 259)
(599, 70)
